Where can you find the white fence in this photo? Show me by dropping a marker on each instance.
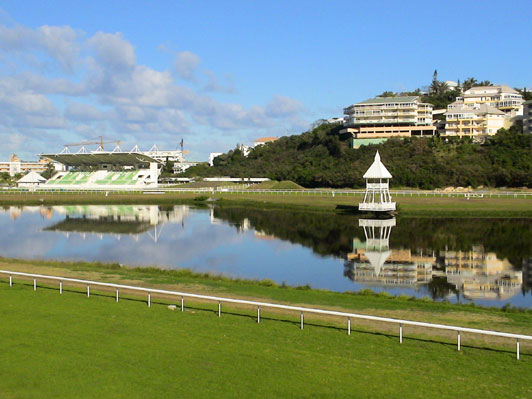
(261, 305)
(301, 192)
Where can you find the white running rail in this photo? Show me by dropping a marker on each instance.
(260, 305)
(304, 192)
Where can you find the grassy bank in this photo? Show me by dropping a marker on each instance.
(411, 206)
(366, 302)
(64, 346)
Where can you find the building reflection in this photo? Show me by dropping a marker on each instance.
(119, 220)
(373, 262)
(473, 274)
(481, 275)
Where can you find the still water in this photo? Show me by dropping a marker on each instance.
(486, 261)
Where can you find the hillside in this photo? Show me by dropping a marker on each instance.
(321, 158)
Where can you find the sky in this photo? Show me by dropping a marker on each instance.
(220, 73)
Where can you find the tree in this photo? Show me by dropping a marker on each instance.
(527, 95)
(168, 168)
(469, 83)
(485, 83)
(434, 86)
(49, 172)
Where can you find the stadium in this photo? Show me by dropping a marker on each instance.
(108, 170)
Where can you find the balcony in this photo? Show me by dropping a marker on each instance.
(377, 207)
(377, 186)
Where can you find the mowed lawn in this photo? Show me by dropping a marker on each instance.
(71, 346)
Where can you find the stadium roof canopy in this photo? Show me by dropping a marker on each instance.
(99, 158)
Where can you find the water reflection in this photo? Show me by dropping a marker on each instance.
(373, 262)
(487, 261)
(475, 274)
(118, 220)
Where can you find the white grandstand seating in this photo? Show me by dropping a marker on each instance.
(100, 179)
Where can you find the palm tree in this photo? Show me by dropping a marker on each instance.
(469, 83)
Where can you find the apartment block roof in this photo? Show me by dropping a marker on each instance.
(266, 139)
(387, 100)
(481, 109)
(497, 88)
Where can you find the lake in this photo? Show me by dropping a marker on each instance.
(486, 261)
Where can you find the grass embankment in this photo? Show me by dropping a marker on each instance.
(429, 205)
(64, 346)
(366, 302)
(277, 185)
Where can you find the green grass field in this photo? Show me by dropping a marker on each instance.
(429, 205)
(65, 346)
(366, 302)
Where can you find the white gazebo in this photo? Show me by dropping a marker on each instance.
(377, 197)
(377, 232)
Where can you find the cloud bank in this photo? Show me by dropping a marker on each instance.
(59, 84)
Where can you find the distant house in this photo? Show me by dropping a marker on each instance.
(264, 140)
(473, 120)
(213, 155)
(502, 97)
(31, 180)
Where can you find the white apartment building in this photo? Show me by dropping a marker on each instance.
(501, 97)
(15, 165)
(473, 120)
(527, 117)
(384, 117)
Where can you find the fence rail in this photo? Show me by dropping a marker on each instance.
(261, 305)
(302, 192)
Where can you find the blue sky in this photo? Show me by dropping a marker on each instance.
(222, 73)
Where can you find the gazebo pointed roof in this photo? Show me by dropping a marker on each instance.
(377, 260)
(377, 170)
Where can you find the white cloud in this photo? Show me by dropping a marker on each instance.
(213, 84)
(58, 42)
(112, 50)
(185, 64)
(282, 106)
(102, 88)
(83, 112)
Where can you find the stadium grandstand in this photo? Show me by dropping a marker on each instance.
(108, 170)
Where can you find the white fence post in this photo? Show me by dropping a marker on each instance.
(11, 281)
(182, 304)
(219, 309)
(149, 299)
(348, 326)
(259, 305)
(88, 291)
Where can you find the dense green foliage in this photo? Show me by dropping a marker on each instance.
(322, 158)
(7, 180)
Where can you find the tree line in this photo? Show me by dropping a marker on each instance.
(323, 158)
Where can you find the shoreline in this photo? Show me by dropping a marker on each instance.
(365, 301)
(407, 206)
